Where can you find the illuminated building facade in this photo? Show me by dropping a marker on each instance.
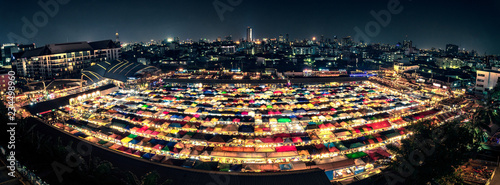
(63, 60)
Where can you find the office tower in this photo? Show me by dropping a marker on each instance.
(407, 44)
(7, 51)
(451, 49)
(249, 34)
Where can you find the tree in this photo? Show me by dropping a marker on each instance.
(487, 115)
(150, 178)
(435, 152)
(495, 93)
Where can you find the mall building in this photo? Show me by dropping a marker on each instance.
(65, 60)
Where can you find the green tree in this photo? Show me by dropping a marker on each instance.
(487, 115)
(495, 93)
(443, 148)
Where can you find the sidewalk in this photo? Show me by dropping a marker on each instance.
(496, 177)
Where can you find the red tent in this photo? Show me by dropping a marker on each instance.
(278, 140)
(333, 149)
(285, 148)
(379, 125)
(297, 139)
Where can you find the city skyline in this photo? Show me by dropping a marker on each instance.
(443, 22)
(249, 92)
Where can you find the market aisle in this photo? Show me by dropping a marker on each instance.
(496, 177)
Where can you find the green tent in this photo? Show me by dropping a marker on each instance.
(224, 167)
(356, 145)
(340, 146)
(165, 149)
(356, 155)
(284, 120)
(202, 166)
(391, 135)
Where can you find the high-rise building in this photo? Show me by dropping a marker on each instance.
(25, 47)
(117, 37)
(63, 60)
(451, 49)
(407, 44)
(7, 51)
(249, 34)
(281, 39)
(487, 79)
(347, 41)
(287, 38)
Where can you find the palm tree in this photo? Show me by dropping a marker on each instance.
(495, 93)
(150, 178)
(487, 116)
(456, 146)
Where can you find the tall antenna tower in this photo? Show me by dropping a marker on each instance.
(117, 37)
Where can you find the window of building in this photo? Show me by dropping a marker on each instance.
(480, 80)
(480, 75)
(480, 85)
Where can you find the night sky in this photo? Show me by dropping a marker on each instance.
(471, 24)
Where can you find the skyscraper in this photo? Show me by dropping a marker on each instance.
(451, 49)
(7, 51)
(407, 44)
(249, 34)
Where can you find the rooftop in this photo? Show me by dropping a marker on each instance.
(67, 48)
(117, 69)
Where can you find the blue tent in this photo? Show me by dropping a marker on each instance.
(361, 138)
(134, 141)
(188, 164)
(286, 166)
(148, 156)
(175, 125)
(305, 139)
(246, 129)
(235, 167)
(329, 145)
(162, 142)
(329, 174)
(171, 144)
(153, 141)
